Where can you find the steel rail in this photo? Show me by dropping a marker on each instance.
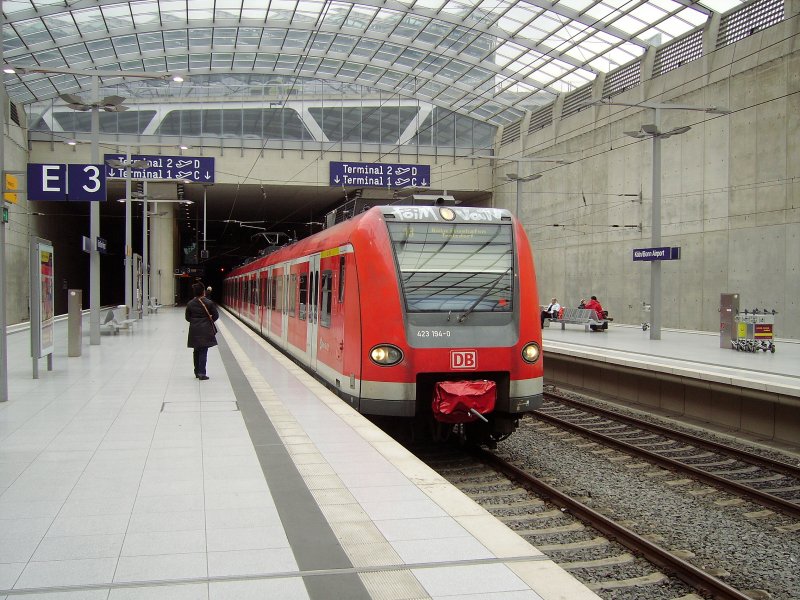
(763, 498)
(685, 571)
(761, 461)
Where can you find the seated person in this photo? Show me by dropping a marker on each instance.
(551, 312)
(594, 305)
(582, 303)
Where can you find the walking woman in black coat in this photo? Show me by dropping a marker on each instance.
(201, 314)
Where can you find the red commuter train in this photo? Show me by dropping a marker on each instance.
(408, 311)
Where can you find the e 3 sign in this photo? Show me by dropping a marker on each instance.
(76, 183)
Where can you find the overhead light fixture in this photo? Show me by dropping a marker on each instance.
(183, 147)
(9, 70)
(71, 142)
(177, 79)
(650, 130)
(108, 104)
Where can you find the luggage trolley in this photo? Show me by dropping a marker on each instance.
(755, 331)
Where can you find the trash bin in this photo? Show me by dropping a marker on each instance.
(74, 322)
(645, 316)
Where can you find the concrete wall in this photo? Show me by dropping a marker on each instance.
(730, 190)
(21, 225)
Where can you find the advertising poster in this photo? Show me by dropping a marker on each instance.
(46, 300)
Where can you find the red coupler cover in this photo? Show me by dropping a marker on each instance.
(452, 400)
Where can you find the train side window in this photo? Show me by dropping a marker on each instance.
(273, 292)
(327, 298)
(303, 295)
(279, 292)
(263, 291)
(341, 279)
(292, 294)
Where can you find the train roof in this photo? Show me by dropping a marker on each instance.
(341, 233)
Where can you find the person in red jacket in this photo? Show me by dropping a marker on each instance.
(594, 305)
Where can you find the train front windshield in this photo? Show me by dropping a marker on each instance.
(458, 267)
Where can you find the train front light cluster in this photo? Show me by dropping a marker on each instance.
(531, 352)
(386, 355)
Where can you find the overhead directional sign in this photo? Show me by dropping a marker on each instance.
(186, 168)
(379, 175)
(74, 182)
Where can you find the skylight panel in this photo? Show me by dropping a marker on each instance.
(178, 62)
(221, 60)
(386, 20)
(307, 11)
(542, 26)
(176, 39)
(296, 40)
(200, 11)
(144, 13)
(151, 42)
(225, 36)
(117, 16)
(720, 6)
(430, 4)
(649, 13)
(76, 54)
(576, 5)
(518, 16)
(89, 20)
(280, 10)
(172, 11)
(60, 26)
(630, 24)
(361, 16)
(674, 27)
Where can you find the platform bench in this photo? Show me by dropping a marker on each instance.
(580, 316)
(121, 321)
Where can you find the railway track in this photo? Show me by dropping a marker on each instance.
(765, 481)
(604, 554)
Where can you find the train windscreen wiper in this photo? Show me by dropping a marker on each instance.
(491, 288)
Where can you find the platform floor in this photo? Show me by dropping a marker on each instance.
(123, 476)
(694, 354)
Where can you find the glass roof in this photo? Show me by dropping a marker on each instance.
(489, 59)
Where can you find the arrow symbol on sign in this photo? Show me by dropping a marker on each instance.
(336, 179)
(424, 183)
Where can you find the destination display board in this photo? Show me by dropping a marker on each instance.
(199, 169)
(388, 175)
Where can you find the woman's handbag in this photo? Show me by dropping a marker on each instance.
(210, 318)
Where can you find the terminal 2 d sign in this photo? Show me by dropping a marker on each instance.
(651, 254)
(76, 183)
(379, 175)
(199, 169)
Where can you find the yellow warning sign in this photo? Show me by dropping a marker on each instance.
(11, 187)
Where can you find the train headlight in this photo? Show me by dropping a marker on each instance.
(386, 355)
(448, 214)
(531, 352)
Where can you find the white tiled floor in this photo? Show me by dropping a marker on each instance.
(122, 476)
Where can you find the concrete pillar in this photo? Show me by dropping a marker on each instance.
(163, 258)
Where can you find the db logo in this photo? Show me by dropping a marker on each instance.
(463, 359)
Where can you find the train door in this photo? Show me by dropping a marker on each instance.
(284, 291)
(262, 300)
(313, 310)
